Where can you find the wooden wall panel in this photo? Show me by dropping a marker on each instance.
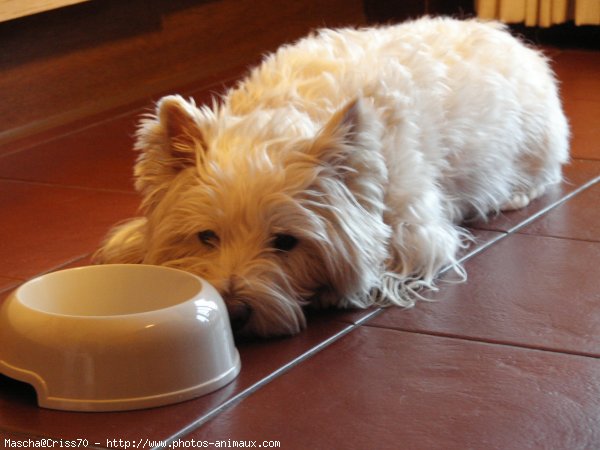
(61, 65)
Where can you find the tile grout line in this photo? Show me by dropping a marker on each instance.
(18, 282)
(69, 186)
(272, 376)
(547, 208)
(506, 233)
(5, 291)
(550, 207)
(491, 342)
(64, 264)
(514, 229)
(134, 109)
(364, 320)
(78, 129)
(562, 238)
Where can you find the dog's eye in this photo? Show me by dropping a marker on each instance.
(208, 238)
(284, 242)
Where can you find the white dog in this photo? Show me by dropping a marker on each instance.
(338, 171)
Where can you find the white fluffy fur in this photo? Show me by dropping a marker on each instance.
(369, 146)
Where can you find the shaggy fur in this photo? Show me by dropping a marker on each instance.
(337, 172)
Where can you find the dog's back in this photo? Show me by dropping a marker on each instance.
(338, 171)
(477, 104)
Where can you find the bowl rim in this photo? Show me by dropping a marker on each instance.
(203, 285)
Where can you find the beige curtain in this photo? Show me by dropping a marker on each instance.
(542, 13)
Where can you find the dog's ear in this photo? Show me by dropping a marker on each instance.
(348, 148)
(339, 131)
(344, 125)
(351, 131)
(184, 140)
(168, 141)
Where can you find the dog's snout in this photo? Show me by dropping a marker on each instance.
(239, 314)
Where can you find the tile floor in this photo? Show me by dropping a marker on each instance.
(509, 360)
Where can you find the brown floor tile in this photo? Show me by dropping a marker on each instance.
(577, 174)
(11, 284)
(387, 389)
(481, 240)
(84, 260)
(353, 315)
(49, 226)
(7, 283)
(96, 157)
(261, 359)
(578, 71)
(202, 90)
(584, 117)
(524, 290)
(19, 413)
(577, 218)
(577, 87)
(45, 135)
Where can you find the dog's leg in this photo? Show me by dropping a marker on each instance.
(125, 244)
(544, 151)
(424, 242)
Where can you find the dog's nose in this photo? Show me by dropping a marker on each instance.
(239, 314)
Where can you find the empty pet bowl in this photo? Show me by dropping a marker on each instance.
(117, 337)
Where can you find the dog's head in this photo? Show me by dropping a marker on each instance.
(273, 210)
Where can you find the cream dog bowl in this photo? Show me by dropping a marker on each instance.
(117, 337)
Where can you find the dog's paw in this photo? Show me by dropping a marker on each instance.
(521, 199)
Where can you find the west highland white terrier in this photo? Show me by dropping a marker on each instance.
(338, 172)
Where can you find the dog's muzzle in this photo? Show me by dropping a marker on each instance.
(239, 314)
